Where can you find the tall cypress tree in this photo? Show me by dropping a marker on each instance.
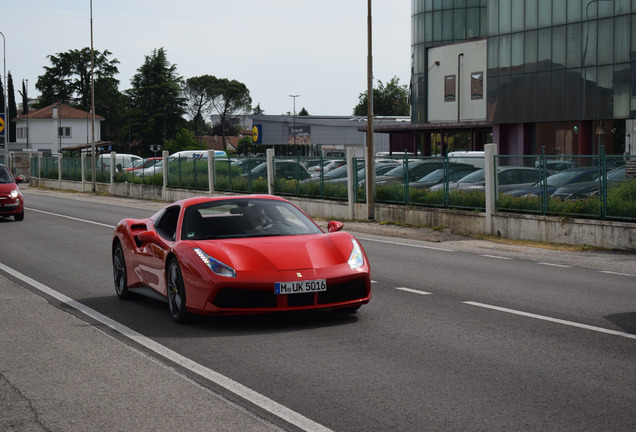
(13, 108)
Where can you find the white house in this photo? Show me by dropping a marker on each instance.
(55, 127)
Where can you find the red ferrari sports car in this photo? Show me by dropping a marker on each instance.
(239, 255)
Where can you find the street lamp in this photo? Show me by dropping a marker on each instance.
(294, 127)
(5, 96)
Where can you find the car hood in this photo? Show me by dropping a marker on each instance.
(5, 188)
(281, 253)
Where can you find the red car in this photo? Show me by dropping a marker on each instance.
(11, 199)
(239, 255)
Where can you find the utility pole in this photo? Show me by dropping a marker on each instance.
(6, 96)
(370, 168)
(93, 163)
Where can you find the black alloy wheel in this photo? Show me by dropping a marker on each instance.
(119, 273)
(176, 292)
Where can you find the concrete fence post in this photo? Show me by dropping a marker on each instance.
(59, 168)
(490, 188)
(82, 167)
(211, 172)
(271, 171)
(351, 186)
(164, 173)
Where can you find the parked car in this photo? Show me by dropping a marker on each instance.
(589, 189)
(441, 175)
(326, 166)
(141, 164)
(239, 255)
(122, 161)
(416, 170)
(155, 166)
(246, 164)
(285, 169)
(557, 180)
(11, 199)
(508, 178)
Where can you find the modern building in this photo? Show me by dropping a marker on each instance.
(55, 128)
(559, 75)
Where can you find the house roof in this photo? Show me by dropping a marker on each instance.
(216, 142)
(64, 112)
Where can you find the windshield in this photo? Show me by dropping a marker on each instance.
(434, 176)
(242, 218)
(565, 177)
(5, 175)
(475, 177)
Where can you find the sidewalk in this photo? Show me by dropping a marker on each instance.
(58, 373)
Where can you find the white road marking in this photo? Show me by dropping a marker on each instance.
(72, 218)
(497, 257)
(554, 265)
(617, 273)
(404, 244)
(554, 320)
(238, 389)
(411, 290)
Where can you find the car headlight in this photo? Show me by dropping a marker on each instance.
(215, 265)
(14, 193)
(356, 259)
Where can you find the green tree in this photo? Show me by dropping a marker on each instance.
(389, 100)
(68, 79)
(230, 98)
(157, 104)
(198, 95)
(13, 109)
(303, 112)
(258, 110)
(183, 140)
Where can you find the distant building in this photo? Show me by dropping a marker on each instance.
(54, 128)
(315, 135)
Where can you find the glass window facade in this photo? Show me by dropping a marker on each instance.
(575, 59)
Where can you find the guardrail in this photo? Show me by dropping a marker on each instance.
(599, 187)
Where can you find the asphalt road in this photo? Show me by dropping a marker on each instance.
(460, 334)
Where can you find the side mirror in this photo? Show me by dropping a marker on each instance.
(20, 179)
(334, 226)
(151, 237)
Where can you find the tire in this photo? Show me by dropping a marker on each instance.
(176, 292)
(19, 217)
(120, 273)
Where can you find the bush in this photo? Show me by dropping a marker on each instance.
(621, 200)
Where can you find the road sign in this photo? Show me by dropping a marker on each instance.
(2, 124)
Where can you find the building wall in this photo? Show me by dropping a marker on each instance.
(43, 133)
(462, 61)
(325, 132)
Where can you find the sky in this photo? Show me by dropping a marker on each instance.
(314, 49)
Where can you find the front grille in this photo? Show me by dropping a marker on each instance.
(354, 290)
(232, 298)
(304, 299)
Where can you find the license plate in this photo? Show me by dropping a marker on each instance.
(299, 287)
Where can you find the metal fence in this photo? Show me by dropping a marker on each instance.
(596, 186)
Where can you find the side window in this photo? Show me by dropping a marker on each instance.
(166, 225)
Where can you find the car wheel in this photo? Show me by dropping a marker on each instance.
(119, 273)
(176, 292)
(19, 217)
